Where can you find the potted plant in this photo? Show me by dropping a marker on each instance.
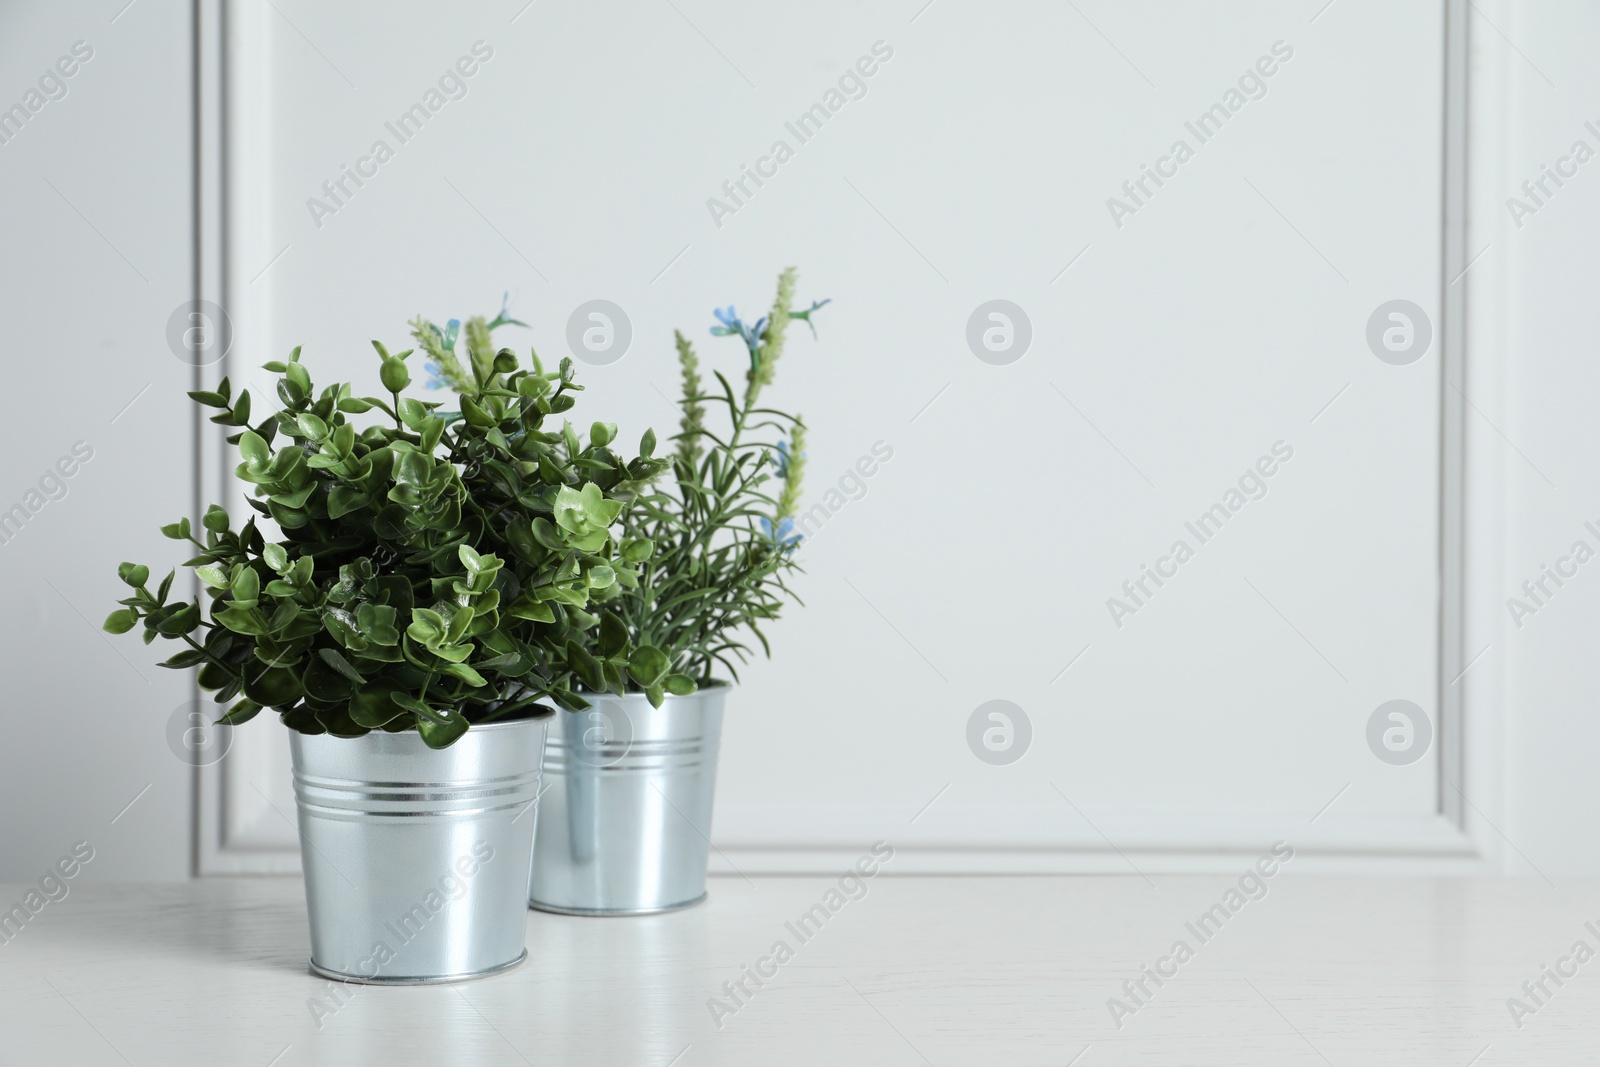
(624, 828)
(429, 572)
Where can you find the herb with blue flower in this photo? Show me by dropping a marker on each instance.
(725, 535)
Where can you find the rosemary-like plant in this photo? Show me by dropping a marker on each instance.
(724, 539)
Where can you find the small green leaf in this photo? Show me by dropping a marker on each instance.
(637, 549)
(451, 653)
(274, 687)
(240, 713)
(311, 426)
(133, 574)
(374, 709)
(545, 533)
(246, 621)
(586, 666)
(406, 700)
(427, 626)
(343, 500)
(680, 685)
(342, 626)
(600, 511)
(323, 683)
(275, 556)
(475, 414)
(465, 673)
(182, 621)
(414, 413)
(120, 622)
(212, 575)
(246, 587)
(189, 657)
(613, 635)
(252, 447)
(441, 735)
(526, 607)
(342, 665)
(647, 664)
(377, 624)
(344, 439)
(431, 433)
(213, 677)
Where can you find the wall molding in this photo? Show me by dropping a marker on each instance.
(241, 830)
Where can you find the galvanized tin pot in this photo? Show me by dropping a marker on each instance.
(625, 819)
(416, 861)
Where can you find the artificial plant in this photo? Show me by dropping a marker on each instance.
(723, 534)
(429, 570)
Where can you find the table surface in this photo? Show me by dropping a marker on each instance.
(918, 970)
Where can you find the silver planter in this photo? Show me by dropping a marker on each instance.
(416, 861)
(625, 819)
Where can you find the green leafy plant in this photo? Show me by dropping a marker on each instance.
(723, 539)
(433, 569)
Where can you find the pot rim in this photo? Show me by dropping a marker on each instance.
(501, 724)
(539, 716)
(717, 686)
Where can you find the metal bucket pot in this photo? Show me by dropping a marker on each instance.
(625, 820)
(416, 861)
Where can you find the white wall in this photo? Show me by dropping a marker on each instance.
(1219, 319)
(95, 198)
(1550, 672)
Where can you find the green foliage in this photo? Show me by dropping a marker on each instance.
(717, 547)
(430, 574)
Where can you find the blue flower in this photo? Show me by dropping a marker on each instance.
(786, 536)
(780, 460)
(435, 375)
(732, 324)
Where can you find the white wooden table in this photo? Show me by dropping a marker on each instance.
(918, 970)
